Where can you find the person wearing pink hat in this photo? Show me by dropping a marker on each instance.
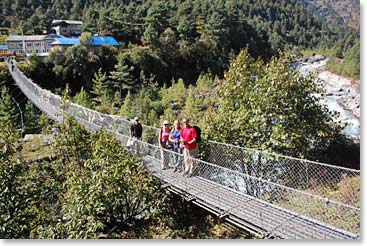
(164, 144)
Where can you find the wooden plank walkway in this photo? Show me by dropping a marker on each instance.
(243, 211)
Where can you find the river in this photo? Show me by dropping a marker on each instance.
(336, 92)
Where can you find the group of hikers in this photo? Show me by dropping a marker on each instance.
(182, 140)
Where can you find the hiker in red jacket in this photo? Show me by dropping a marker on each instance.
(188, 136)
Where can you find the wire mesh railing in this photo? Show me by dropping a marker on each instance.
(314, 207)
(313, 177)
(302, 186)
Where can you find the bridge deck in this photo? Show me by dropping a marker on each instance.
(244, 211)
(250, 213)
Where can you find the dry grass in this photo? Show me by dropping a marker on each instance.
(36, 149)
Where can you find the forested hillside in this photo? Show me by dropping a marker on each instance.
(188, 37)
(336, 12)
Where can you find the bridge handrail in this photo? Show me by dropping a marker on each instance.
(288, 157)
(275, 175)
(173, 153)
(210, 141)
(262, 151)
(326, 207)
(215, 144)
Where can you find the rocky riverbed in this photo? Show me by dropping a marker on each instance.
(341, 94)
(347, 91)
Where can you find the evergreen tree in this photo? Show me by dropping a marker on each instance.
(193, 107)
(156, 22)
(217, 29)
(102, 98)
(204, 91)
(150, 36)
(127, 108)
(82, 98)
(174, 96)
(9, 113)
(12, 200)
(90, 20)
(186, 23)
(116, 102)
(144, 81)
(31, 118)
(351, 63)
(121, 77)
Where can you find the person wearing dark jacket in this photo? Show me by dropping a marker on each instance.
(136, 133)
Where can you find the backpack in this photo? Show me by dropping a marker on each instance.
(198, 134)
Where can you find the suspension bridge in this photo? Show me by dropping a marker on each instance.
(269, 195)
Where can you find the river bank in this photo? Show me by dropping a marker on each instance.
(341, 94)
(347, 91)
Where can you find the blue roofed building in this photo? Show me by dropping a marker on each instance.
(28, 44)
(64, 42)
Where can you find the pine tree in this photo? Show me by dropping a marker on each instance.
(116, 102)
(100, 88)
(217, 30)
(31, 118)
(193, 107)
(186, 23)
(9, 114)
(122, 78)
(174, 95)
(127, 108)
(82, 98)
(150, 35)
(143, 79)
(156, 22)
